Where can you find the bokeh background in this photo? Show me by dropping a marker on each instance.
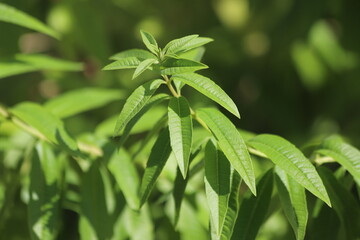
(291, 66)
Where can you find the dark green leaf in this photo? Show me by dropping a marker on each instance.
(231, 143)
(180, 127)
(178, 193)
(292, 161)
(208, 88)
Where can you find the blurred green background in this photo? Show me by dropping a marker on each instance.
(292, 67)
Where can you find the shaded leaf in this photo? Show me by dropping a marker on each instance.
(217, 185)
(8, 69)
(136, 101)
(253, 209)
(81, 100)
(156, 162)
(231, 143)
(45, 62)
(149, 41)
(12, 15)
(207, 87)
(293, 201)
(180, 127)
(178, 193)
(137, 53)
(292, 161)
(173, 66)
(143, 66)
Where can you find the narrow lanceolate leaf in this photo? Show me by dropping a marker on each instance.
(180, 127)
(143, 66)
(207, 87)
(149, 42)
(347, 155)
(45, 62)
(126, 176)
(177, 44)
(231, 143)
(292, 161)
(156, 162)
(136, 101)
(8, 69)
(293, 201)
(81, 100)
(344, 204)
(253, 210)
(178, 193)
(44, 205)
(193, 43)
(173, 66)
(124, 63)
(12, 15)
(40, 122)
(140, 54)
(217, 185)
(233, 207)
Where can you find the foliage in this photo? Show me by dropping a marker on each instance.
(164, 168)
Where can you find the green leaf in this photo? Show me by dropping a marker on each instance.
(194, 43)
(177, 44)
(178, 193)
(207, 87)
(81, 100)
(233, 207)
(136, 53)
(173, 66)
(253, 210)
(217, 185)
(231, 143)
(149, 42)
(143, 66)
(136, 101)
(43, 124)
(347, 155)
(126, 176)
(44, 204)
(12, 15)
(8, 69)
(293, 201)
(156, 162)
(124, 63)
(180, 127)
(344, 203)
(292, 161)
(45, 62)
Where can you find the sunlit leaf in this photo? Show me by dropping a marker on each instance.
(123, 63)
(180, 127)
(143, 66)
(81, 100)
(136, 101)
(253, 209)
(292, 161)
(149, 42)
(176, 66)
(231, 143)
(12, 15)
(176, 45)
(156, 162)
(194, 43)
(293, 201)
(217, 184)
(137, 53)
(207, 87)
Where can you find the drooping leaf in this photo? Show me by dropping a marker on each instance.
(253, 209)
(136, 102)
(293, 201)
(123, 63)
(347, 155)
(207, 87)
(173, 66)
(143, 66)
(231, 143)
(149, 42)
(176, 45)
(45, 62)
(81, 100)
(233, 207)
(217, 185)
(180, 127)
(44, 204)
(344, 203)
(12, 15)
(126, 176)
(156, 162)
(140, 54)
(40, 122)
(292, 161)
(178, 193)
